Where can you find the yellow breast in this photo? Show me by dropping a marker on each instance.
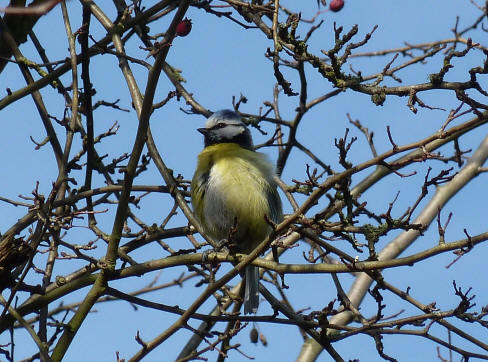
(238, 185)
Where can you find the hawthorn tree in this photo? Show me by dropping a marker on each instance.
(377, 149)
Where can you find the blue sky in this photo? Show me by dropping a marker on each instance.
(219, 60)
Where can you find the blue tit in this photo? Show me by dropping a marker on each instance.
(234, 186)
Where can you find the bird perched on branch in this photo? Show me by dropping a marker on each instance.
(233, 191)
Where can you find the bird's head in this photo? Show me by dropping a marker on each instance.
(226, 126)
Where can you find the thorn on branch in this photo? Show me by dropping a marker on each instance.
(458, 154)
(110, 104)
(413, 99)
(462, 96)
(236, 105)
(459, 253)
(392, 169)
(313, 28)
(344, 148)
(352, 46)
(140, 341)
(39, 144)
(395, 146)
(365, 131)
(380, 348)
(118, 357)
(286, 85)
(442, 230)
(283, 284)
(465, 303)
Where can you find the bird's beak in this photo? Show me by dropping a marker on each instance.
(203, 131)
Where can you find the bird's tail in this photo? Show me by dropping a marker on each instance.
(251, 294)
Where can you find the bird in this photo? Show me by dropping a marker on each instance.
(234, 188)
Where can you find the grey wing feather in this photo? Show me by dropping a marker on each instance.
(275, 207)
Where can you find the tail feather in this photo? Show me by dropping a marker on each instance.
(251, 294)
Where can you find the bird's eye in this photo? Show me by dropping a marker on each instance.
(219, 125)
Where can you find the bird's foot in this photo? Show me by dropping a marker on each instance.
(226, 245)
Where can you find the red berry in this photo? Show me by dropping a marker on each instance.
(184, 27)
(336, 5)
